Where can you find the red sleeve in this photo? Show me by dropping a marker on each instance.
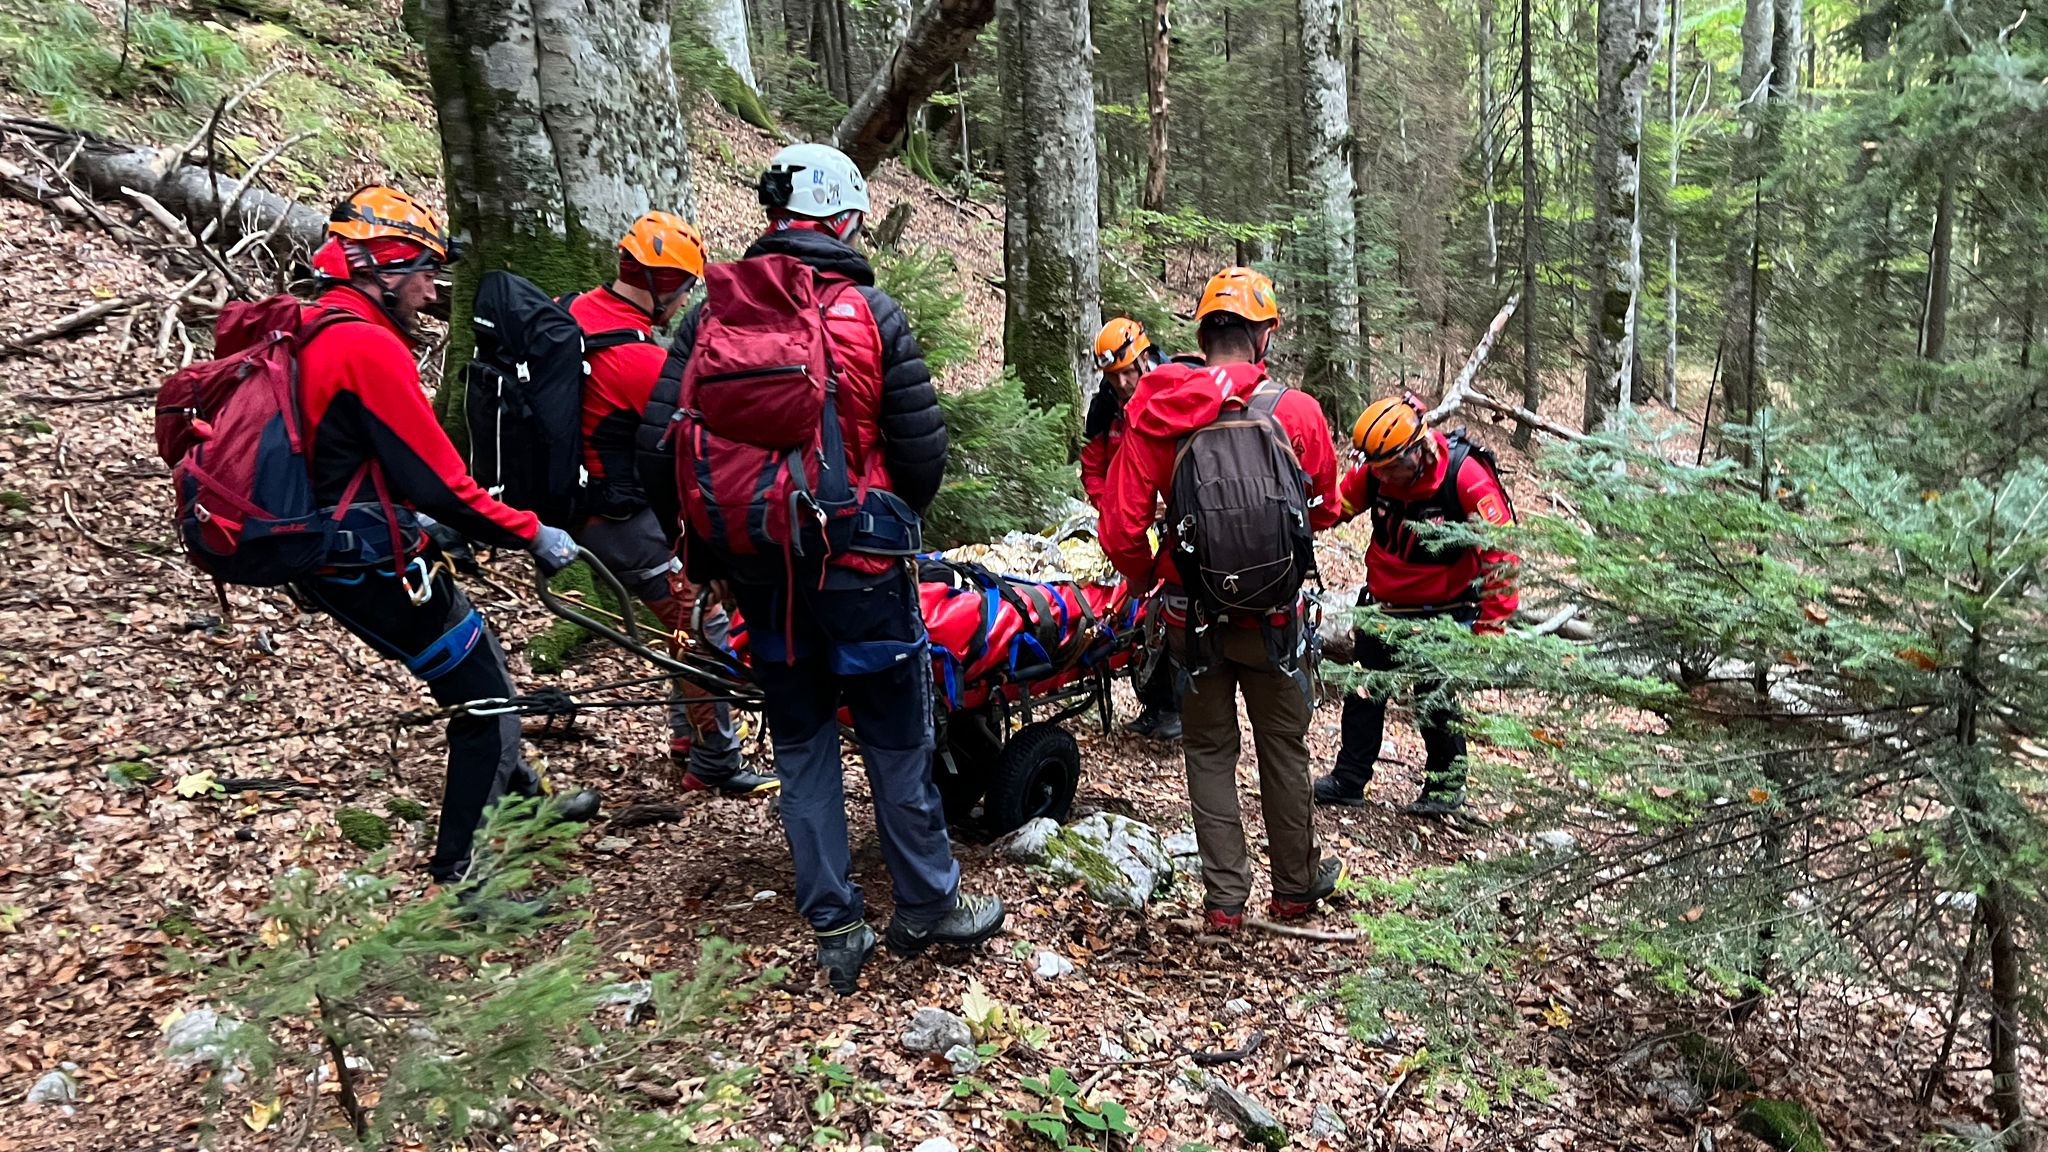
(1128, 500)
(1351, 492)
(419, 463)
(1480, 493)
(1095, 457)
(1303, 419)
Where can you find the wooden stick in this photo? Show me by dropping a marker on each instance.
(83, 318)
(228, 206)
(1463, 384)
(94, 398)
(1541, 424)
(1288, 930)
(226, 106)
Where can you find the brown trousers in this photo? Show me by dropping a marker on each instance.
(1279, 713)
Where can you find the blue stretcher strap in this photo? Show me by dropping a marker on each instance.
(445, 654)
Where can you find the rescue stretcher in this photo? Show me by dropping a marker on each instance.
(1013, 659)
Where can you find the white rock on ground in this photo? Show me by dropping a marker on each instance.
(198, 1037)
(1028, 844)
(963, 1059)
(1557, 841)
(1051, 966)
(56, 1087)
(935, 1030)
(1123, 863)
(937, 1144)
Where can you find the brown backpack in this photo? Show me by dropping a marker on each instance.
(1238, 512)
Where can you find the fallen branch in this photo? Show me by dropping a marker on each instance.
(93, 398)
(226, 106)
(1541, 424)
(1209, 1058)
(1462, 386)
(83, 318)
(26, 185)
(1289, 930)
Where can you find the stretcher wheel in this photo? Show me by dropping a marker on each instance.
(1039, 771)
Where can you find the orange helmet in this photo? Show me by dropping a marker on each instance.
(662, 240)
(1119, 344)
(376, 212)
(1386, 429)
(1239, 291)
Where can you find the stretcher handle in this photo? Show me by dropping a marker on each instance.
(629, 637)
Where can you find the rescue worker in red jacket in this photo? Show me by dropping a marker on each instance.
(372, 440)
(1237, 317)
(1123, 354)
(849, 630)
(661, 257)
(1407, 472)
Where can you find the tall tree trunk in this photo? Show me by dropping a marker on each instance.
(1532, 384)
(1742, 316)
(1011, 82)
(1050, 329)
(1366, 224)
(1627, 45)
(1488, 162)
(1671, 221)
(725, 21)
(937, 40)
(2008, 1100)
(560, 124)
(1331, 374)
(1940, 258)
(1155, 108)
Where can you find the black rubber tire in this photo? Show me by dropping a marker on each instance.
(977, 754)
(1040, 769)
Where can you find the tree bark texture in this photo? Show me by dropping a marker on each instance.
(2008, 1101)
(1671, 223)
(1487, 160)
(1743, 318)
(725, 21)
(1332, 373)
(1532, 384)
(1627, 47)
(1155, 108)
(560, 125)
(1052, 161)
(938, 38)
(1940, 261)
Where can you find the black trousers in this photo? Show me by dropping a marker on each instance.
(1160, 687)
(445, 643)
(1436, 714)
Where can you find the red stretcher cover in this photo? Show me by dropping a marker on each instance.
(992, 632)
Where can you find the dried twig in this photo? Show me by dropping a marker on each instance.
(226, 106)
(1291, 931)
(234, 201)
(91, 398)
(83, 318)
(1461, 387)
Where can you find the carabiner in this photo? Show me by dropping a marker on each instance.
(425, 591)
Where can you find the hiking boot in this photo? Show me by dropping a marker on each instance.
(1292, 906)
(1148, 721)
(974, 919)
(1330, 790)
(842, 951)
(1223, 921)
(1436, 804)
(740, 783)
(1168, 728)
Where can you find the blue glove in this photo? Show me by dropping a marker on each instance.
(553, 550)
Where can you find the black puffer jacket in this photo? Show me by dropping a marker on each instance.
(913, 431)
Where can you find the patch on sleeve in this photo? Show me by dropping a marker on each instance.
(1491, 509)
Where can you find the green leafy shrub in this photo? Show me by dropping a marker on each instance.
(1007, 469)
(924, 281)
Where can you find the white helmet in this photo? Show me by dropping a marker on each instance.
(815, 181)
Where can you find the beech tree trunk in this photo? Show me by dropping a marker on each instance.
(1532, 384)
(1627, 45)
(1671, 223)
(1331, 374)
(726, 23)
(560, 125)
(1743, 317)
(1051, 273)
(1155, 108)
(938, 39)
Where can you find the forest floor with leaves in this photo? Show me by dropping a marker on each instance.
(110, 644)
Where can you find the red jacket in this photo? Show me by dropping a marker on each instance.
(1096, 456)
(615, 393)
(361, 398)
(1172, 401)
(1401, 572)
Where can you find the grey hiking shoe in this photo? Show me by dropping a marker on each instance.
(842, 951)
(973, 920)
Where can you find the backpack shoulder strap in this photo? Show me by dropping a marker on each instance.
(328, 318)
(599, 341)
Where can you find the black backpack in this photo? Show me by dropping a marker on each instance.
(524, 396)
(1239, 512)
(1392, 519)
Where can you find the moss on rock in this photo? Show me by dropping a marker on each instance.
(365, 830)
(406, 808)
(1786, 1125)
